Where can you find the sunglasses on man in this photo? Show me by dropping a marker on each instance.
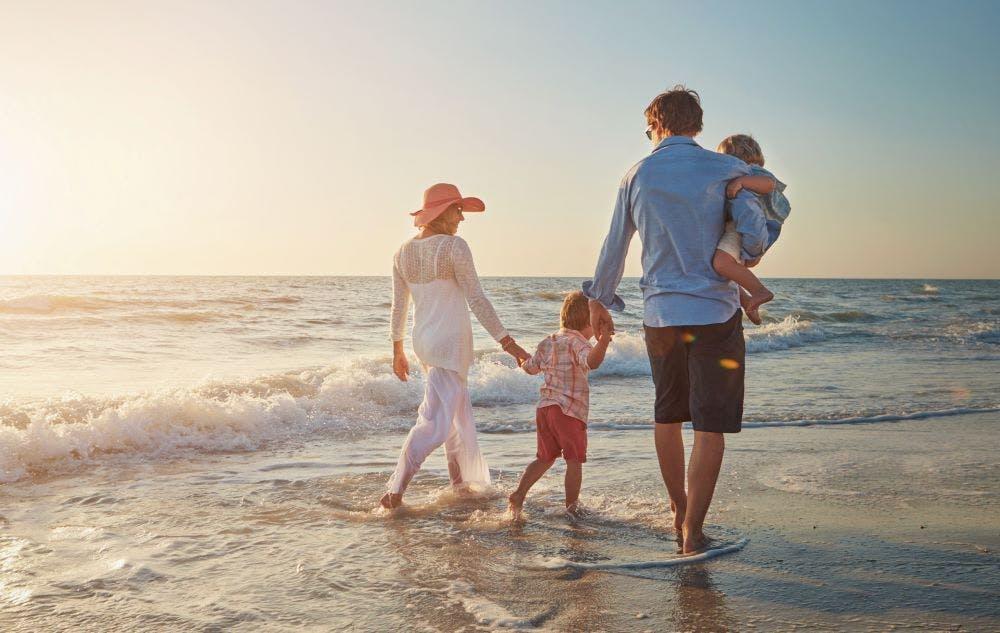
(649, 132)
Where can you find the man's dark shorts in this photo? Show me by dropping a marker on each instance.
(698, 373)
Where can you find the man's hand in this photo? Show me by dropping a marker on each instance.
(750, 263)
(600, 319)
(734, 187)
(400, 366)
(604, 338)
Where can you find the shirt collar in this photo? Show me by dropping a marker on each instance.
(575, 333)
(675, 140)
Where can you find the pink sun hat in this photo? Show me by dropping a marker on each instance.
(441, 196)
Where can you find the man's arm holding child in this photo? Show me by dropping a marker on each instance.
(761, 185)
(596, 355)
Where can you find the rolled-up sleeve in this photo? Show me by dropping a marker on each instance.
(611, 263)
(748, 217)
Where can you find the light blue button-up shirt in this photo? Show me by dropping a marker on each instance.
(676, 199)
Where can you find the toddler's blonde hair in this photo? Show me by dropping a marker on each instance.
(743, 147)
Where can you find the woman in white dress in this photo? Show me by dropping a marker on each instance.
(435, 268)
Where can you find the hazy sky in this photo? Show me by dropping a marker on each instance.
(294, 137)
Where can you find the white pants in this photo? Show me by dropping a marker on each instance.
(444, 417)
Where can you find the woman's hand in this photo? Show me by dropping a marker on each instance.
(518, 352)
(400, 366)
(514, 350)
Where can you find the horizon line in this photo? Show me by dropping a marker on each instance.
(321, 275)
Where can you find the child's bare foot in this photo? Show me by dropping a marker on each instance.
(391, 500)
(752, 302)
(515, 503)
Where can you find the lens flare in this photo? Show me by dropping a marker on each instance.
(729, 363)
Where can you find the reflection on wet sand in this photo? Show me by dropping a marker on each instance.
(699, 606)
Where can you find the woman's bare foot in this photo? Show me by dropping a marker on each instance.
(752, 301)
(391, 500)
(515, 503)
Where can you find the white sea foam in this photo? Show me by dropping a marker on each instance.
(486, 612)
(361, 397)
(870, 419)
(790, 332)
(713, 552)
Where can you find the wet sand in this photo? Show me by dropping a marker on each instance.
(866, 527)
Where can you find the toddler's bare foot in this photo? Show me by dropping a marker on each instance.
(515, 503)
(391, 500)
(752, 302)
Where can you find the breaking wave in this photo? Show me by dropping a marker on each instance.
(355, 399)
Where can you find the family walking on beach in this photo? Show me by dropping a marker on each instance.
(704, 219)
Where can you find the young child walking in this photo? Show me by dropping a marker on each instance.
(566, 357)
(728, 260)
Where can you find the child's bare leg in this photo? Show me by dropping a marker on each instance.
(727, 266)
(574, 479)
(532, 473)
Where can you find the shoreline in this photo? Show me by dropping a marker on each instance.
(849, 529)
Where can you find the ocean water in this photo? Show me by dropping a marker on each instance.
(206, 453)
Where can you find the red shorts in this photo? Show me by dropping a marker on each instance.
(560, 435)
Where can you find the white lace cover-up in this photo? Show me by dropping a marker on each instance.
(439, 273)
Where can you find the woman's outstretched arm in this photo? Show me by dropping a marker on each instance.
(468, 281)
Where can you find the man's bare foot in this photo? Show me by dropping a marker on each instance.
(391, 500)
(694, 543)
(573, 510)
(752, 302)
(515, 503)
(678, 519)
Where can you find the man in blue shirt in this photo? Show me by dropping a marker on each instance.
(675, 200)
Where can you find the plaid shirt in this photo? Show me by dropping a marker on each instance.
(563, 359)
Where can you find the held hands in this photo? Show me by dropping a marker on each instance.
(734, 187)
(515, 350)
(600, 320)
(604, 338)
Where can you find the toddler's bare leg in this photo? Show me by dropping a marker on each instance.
(574, 479)
(727, 266)
(532, 473)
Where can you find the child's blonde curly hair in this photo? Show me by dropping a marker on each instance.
(575, 314)
(743, 147)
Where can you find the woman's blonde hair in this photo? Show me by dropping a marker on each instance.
(743, 147)
(575, 313)
(439, 224)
